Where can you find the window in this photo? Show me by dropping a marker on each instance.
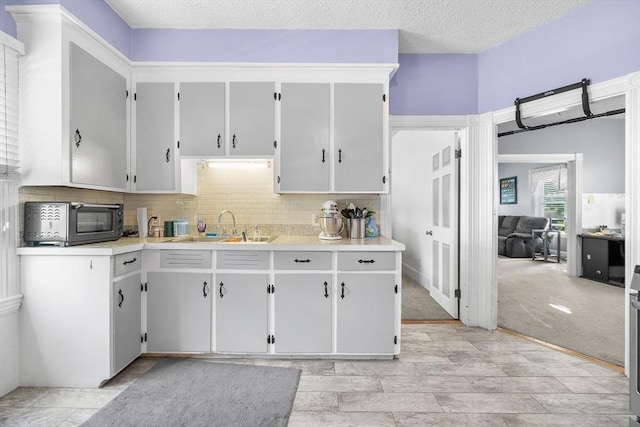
(548, 187)
(9, 162)
(553, 205)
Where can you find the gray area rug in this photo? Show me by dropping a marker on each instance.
(538, 299)
(187, 392)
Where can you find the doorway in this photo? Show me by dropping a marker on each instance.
(424, 212)
(552, 302)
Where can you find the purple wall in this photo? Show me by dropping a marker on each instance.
(99, 16)
(266, 45)
(7, 24)
(435, 84)
(599, 41)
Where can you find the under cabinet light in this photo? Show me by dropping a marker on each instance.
(239, 164)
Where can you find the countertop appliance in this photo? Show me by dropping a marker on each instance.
(634, 354)
(330, 222)
(71, 223)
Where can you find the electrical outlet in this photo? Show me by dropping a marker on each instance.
(314, 219)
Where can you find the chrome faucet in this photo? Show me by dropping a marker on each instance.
(233, 230)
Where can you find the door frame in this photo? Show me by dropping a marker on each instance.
(479, 194)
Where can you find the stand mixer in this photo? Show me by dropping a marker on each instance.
(330, 222)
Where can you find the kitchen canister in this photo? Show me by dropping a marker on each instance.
(355, 228)
(168, 229)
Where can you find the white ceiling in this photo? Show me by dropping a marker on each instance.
(426, 26)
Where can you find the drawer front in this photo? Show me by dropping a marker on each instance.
(242, 260)
(125, 263)
(366, 261)
(185, 259)
(302, 260)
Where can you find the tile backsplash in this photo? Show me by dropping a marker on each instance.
(248, 193)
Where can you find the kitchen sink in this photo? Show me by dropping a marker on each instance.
(221, 239)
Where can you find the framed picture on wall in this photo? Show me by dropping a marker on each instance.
(509, 190)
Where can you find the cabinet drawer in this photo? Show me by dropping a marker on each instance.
(185, 259)
(366, 261)
(125, 263)
(243, 260)
(302, 260)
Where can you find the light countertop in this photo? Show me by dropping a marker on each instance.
(280, 243)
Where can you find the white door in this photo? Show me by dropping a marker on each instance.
(442, 229)
(424, 206)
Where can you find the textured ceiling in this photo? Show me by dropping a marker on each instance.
(426, 26)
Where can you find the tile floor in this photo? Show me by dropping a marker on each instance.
(447, 375)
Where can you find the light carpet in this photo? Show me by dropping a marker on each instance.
(540, 300)
(187, 392)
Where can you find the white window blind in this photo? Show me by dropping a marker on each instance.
(9, 163)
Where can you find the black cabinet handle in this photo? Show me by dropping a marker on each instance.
(221, 285)
(342, 293)
(121, 297)
(340, 156)
(366, 261)
(129, 262)
(301, 260)
(233, 141)
(326, 290)
(167, 154)
(204, 289)
(218, 140)
(323, 151)
(78, 138)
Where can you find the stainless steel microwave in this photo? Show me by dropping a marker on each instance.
(71, 223)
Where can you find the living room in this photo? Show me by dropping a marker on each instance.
(545, 206)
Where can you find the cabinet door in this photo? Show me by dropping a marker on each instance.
(241, 313)
(358, 148)
(303, 313)
(98, 119)
(251, 118)
(201, 119)
(126, 321)
(155, 139)
(366, 313)
(304, 142)
(179, 312)
(595, 259)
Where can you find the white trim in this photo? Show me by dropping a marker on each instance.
(431, 122)
(253, 65)
(15, 44)
(535, 158)
(10, 305)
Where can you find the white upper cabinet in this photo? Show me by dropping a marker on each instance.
(304, 150)
(98, 116)
(358, 142)
(155, 144)
(251, 118)
(202, 119)
(73, 106)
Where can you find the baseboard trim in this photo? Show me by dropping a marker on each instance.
(431, 322)
(608, 365)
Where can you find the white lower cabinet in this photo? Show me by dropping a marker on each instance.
(303, 313)
(126, 296)
(366, 313)
(80, 319)
(179, 312)
(241, 313)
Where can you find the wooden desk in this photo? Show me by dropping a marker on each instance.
(603, 258)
